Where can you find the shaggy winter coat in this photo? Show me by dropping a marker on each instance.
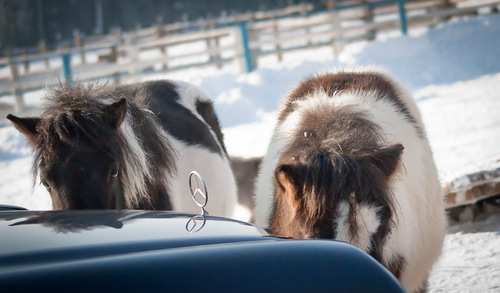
(349, 160)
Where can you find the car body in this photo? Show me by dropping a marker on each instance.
(157, 251)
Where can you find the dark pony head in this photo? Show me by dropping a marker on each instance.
(332, 181)
(81, 151)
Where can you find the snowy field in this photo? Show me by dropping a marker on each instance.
(452, 70)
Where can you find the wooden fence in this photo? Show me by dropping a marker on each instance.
(243, 41)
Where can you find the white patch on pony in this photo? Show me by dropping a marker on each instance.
(264, 186)
(401, 91)
(215, 171)
(137, 168)
(367, 224)
(341, 222)
(189, 95)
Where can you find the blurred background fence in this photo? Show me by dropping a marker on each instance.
(240, 39)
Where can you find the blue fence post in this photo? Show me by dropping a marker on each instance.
(66, 58)
(402, 16)
(246, 48)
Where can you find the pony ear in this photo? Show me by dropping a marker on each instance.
(287, 180)
(387, 159)
(26, 126)
(116, 113)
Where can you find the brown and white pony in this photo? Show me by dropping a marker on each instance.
(131, 146)
(349, 160)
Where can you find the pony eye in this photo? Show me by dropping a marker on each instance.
(46, 184)
(114, 173)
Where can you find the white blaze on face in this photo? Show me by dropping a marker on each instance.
(366, 220)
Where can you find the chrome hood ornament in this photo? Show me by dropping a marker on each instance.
(199, 194)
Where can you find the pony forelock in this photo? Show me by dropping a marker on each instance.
(136, 166)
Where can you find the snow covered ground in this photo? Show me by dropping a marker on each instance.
(471, 258)
(452, 70)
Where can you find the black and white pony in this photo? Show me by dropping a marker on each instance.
(349, 160)
(131, 146)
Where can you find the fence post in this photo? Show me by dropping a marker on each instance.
(113, 58)
(66, 58)
(213, 45)
(43, 51)
(277, 37)
(14, 75)
(337, 41)
(19, 100)
(159, 29)
(78, 42)
(330, 4)
(402, 16)
(247, 53)
(160, 32)
(26, 61)
(133, 53)
(118, 36)
(368, 18)
(14, 70)
(113, 54)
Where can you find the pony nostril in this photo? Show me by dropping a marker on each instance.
(309, 133)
